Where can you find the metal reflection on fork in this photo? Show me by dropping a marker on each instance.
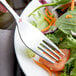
(32, 37)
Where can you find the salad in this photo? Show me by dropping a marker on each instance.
(58, 23)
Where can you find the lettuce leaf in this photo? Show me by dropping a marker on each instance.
(70, 66)
(55, 37)
(67, 24)
(39, 20)
(73, 72)
(69, 42)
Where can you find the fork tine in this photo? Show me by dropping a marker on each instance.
(48, 53)
(53, 45)
(50, 49)
(40, 53)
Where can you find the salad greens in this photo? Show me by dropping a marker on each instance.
(55, 37)
(53, 3)
(70, 66)
(62, 37)
(67, 24)
(69, 42)
(39, 21)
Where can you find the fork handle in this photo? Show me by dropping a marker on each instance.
(15, 15)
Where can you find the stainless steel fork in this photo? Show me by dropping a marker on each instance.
(32, 37)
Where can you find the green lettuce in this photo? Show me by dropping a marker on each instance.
(70, 66)
(39, 21)
(53, 3)
(55, 37)
(69, 42)
(67, 25)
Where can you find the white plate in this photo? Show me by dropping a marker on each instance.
(28, 66)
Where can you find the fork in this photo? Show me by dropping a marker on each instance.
(32, 37)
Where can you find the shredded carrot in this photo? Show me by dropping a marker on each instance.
(44, 67)
(61, 38)
(56, 74)
(48, 11)
(47, 28)
(47, 19)
(69, 16)
(53, 20)
(65, 6)
(50, 17)
(72, 5)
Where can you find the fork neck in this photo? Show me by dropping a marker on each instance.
(15, 15)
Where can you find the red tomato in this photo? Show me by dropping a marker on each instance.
(2, 8)
(57, 66)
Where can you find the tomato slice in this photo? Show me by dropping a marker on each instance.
(57, 66)
(2, 8)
